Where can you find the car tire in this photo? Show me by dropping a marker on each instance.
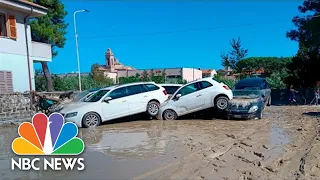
(221, 103)
(91, 119)
(153, 108)
(269, 102)
(169, 114)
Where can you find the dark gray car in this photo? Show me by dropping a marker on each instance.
(246, 104)
(259, 84)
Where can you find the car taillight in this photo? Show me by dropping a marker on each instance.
(226, 87)
(164, 92)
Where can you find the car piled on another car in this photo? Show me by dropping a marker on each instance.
(115, 102)
(195, 96)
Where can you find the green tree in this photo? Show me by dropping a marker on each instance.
(268, 64)
(50, 29)
(99, 76)
(306, 63)
(234, 55)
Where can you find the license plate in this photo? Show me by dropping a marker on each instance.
(237, 116)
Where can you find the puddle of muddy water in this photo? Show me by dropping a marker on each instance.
(110, 153)
(277, 140)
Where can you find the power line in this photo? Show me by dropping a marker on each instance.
(189, 30)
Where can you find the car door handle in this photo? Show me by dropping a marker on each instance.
(145, 96)
(199, 95)
(124, 101)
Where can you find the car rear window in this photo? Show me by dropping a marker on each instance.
(171, 89)
(216, 80)
(152, 87)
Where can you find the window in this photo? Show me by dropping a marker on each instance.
(3, 25)
(216, 80)
(152, 87)
(97, 96)
(6, 85)
(136, 89)
(12, 27)
(191, 88)
(205, 84)
(11, 24)
(118, 93)
(171, 89)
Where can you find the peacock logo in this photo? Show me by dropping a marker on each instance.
(47, 136)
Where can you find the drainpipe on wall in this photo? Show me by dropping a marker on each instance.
(26, 20)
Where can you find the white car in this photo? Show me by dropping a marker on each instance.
(116, 102)
(195, 96)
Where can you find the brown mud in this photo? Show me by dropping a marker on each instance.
(285, 144)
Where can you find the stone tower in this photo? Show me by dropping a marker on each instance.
(109, 58)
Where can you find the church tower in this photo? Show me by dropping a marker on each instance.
(109, 58)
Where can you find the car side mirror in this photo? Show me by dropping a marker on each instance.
(178, 96)
(107, 99)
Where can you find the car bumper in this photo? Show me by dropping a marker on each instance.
(74, 120)
(237, 115)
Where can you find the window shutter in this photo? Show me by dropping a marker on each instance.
(12, 27)
(6, 85)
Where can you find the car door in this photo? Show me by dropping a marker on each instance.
(137, 98)
(118, 105)
(206, 93)
(190, 100)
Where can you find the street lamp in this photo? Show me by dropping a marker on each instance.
(76, 37)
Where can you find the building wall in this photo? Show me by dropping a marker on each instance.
(190, 74)
(18, 46)
(112, 76)
(17, 64)
(13, 54)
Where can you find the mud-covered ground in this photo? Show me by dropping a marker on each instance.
(285, 144)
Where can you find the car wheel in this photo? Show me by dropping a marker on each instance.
(91, 119)
(221, 103)
(153, 108)
(169, 114)
(269, 102)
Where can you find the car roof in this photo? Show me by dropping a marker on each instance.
(128, 84)
(171, 85)
(251, 81)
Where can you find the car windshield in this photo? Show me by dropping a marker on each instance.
(245, 94)
(81, 95)
(97, 96)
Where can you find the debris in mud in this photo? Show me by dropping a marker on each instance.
(245, 159)
(270, 169)
(264, 146)
(231, 136)
(258, 154)
(299, 129)
(246, 144)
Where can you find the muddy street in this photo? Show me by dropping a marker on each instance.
(283, 145)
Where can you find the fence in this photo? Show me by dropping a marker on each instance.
(281, 96)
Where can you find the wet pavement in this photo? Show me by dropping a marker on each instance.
(192, 149)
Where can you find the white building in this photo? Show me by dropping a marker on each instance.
(18, 52)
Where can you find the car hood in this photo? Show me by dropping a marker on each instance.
(243, 102)
(72, 106)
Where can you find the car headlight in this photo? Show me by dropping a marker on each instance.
(253, 109)
(69, 115)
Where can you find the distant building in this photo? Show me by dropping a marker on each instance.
(113, 66)
(208, 73)
(187, 74)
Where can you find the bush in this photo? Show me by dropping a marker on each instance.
(70, 83)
